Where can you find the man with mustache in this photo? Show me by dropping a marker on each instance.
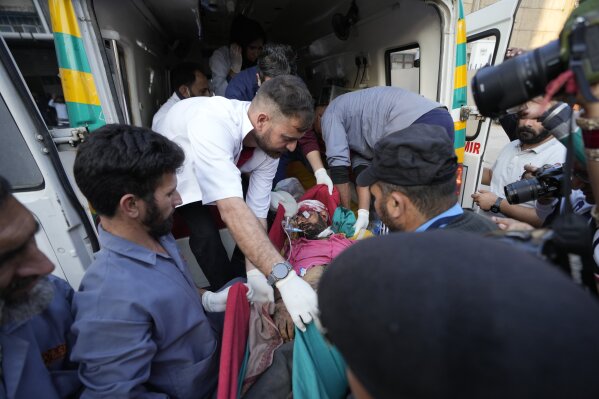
(142, 327)
(222, 139)
(535, 146)
(35, 312)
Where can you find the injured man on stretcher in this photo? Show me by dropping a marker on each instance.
(312, 244)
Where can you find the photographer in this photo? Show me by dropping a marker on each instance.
(536, 145)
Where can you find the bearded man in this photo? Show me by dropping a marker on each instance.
(35, 312)
(222, 139)
(535, 146)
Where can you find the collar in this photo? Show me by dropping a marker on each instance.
(246, 124)
(177, 96)
(455, 210)
(540, 148)
(129, 249)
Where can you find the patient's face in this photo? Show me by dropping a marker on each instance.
(311, 222)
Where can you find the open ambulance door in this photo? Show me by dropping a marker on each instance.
(31, 160)
(488, 35)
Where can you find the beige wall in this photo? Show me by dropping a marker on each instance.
(537, 21)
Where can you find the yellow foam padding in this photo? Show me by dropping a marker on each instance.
(461, 33)
(459, 152)
(79, 87)
(461, 77)
(362, 234)
(63, 17)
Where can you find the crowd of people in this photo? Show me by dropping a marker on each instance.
(433, 309)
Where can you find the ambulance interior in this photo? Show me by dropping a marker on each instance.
(341, 45)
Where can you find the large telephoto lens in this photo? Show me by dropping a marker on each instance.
(499, 88)
(522, 191)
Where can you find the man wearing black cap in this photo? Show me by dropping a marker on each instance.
(427, 324)
(413, 181)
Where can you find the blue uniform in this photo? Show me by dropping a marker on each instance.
(140, 325)
(243, 86)
(35, 352)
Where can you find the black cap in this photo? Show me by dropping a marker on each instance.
(473, 318)
(418, 155)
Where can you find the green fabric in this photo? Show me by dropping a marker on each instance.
(243, 369)
(318, 368)
(343, 221)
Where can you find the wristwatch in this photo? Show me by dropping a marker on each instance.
(279, 271)
(495, 208)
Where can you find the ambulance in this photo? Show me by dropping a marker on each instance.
(110, 61)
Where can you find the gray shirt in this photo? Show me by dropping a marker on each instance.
(356, 121)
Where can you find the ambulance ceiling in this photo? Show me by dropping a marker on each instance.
(296, 22)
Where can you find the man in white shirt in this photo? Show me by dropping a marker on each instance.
(188, 80)
(535, 146)
(223, 138)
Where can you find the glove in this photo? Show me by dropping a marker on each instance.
(322, 177)
(235, 56)
(299, 298)
(262, 292)
(283, 198)
(217, 301)
(362, 221)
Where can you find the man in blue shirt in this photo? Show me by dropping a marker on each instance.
(35, 312)
(141, 324)
(413, 182)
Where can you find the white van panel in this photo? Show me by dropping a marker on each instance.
(390, 28)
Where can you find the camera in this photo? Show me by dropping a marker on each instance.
(546, 183)
(512, 83)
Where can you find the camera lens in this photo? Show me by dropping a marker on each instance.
(496, 89)
(522, 191)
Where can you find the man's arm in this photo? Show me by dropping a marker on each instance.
(344, 194)
(485, 199)
(249, 233)
(115, 355)
(487, 176)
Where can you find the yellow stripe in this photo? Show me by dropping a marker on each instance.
(79, 87)
(459, 125)
(459, 152)
(461, 33)
(460, 77)
(63, 17)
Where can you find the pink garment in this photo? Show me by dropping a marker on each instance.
(309, 253)
(263, 340)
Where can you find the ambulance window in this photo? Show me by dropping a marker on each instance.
(403, 67)
(16, 161)
(480, 52)
(24, 24)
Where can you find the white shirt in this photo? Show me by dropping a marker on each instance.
(61, 110)
(509, 166)
(220, 65)
(159, 116)
(211, 131)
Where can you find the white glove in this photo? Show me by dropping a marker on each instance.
(322, 177)
(283, 198)
(362, 221)
(262, 291)
(217, 301)
(299, 298)
(235, 56)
